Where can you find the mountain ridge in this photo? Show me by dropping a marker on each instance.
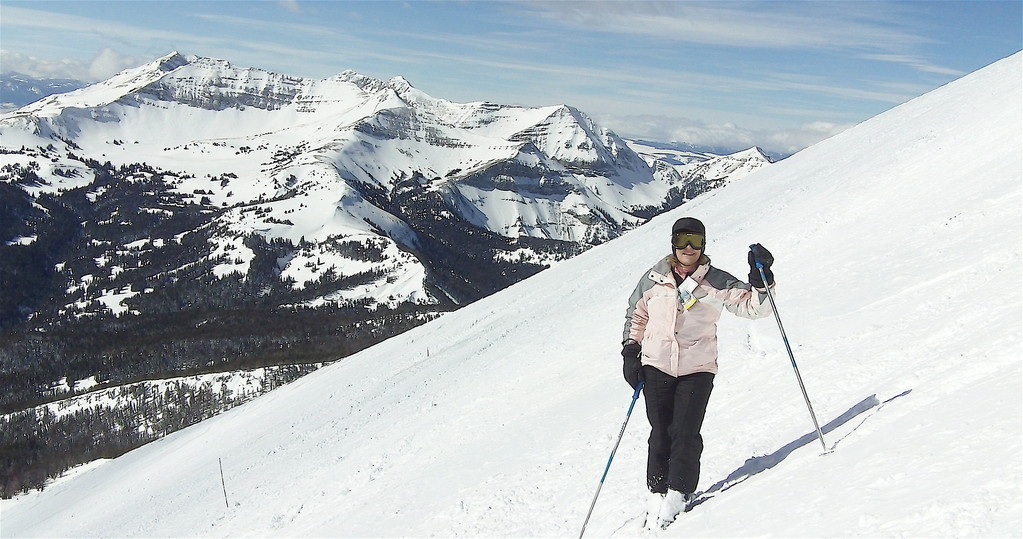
(555, 159)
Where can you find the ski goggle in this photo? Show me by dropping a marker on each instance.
(680, 240)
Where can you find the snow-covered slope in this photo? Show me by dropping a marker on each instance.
(898, 247)
(17, 89)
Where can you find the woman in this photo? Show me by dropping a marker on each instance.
(670, 343)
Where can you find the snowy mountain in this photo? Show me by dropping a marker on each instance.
(497, 419)
(678, 153)
(333, 165)
(671, 153)
(17, 89)
(694, 172)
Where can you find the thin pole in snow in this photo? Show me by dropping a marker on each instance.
(785, 339)
(628, 414)
(222, 483)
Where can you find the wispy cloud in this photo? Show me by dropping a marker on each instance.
(914, 62)
(250, 24)
(782, 25)
(106, 63)
(152, 38)
(86, 31)
(290, 5)
(74, 25)
(724, 136)
(860, 90)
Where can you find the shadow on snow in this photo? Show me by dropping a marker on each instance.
(755, 465)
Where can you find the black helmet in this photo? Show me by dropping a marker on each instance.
(688, 224)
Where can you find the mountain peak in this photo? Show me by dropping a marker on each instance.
(366, 83)
(171, 62)
(400, 84)
(756, 152)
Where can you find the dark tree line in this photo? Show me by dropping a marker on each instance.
(130, 349)
(37, 445)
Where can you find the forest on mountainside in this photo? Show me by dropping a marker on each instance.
(38, 445)
(128, 230)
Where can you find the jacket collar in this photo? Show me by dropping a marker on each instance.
(661, 272)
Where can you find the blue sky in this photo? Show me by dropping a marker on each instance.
(778, 74)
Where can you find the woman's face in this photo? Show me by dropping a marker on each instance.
(688, 256)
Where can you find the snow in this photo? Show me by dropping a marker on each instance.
(114, 299)
(898, 247)
(86, 384)
(23, 240)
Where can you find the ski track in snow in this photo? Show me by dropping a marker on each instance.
(898, 247)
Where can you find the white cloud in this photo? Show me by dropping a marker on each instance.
(110, 62)
(63, 68)
(104, 65)
(916, 63)
(725, 136)
(793, 25)
(290, 5)
(789, 141)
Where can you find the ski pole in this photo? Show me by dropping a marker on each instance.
(635, 396)
(785, 339)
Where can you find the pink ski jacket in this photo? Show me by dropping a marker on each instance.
(681, 341)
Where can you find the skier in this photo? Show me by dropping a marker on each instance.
(670, 343)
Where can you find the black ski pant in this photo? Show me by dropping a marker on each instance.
(675, 408)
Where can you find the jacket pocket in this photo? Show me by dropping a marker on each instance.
(661, 315)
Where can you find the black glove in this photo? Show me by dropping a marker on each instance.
(757, 253)
(633, 367)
